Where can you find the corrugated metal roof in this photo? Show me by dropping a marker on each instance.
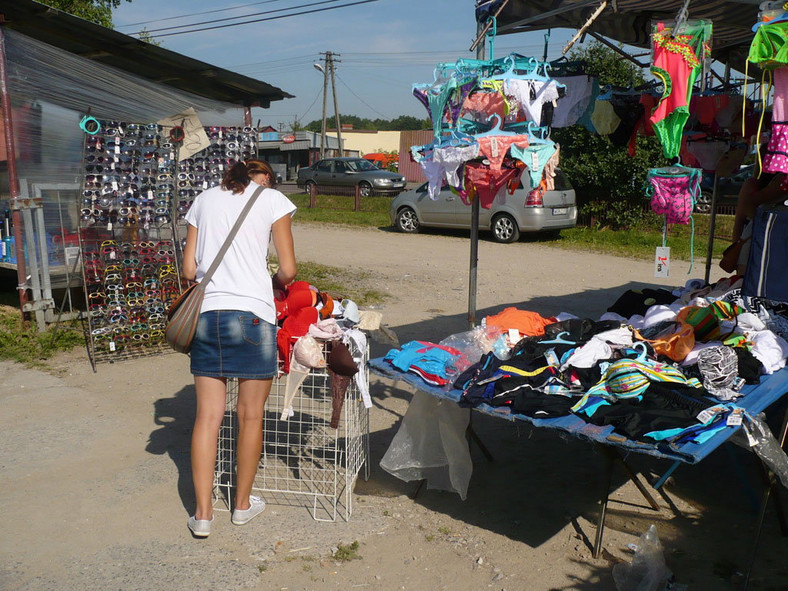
(407, 167)
(629, 21)
(107, 46)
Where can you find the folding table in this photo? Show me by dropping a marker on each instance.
(755, 399)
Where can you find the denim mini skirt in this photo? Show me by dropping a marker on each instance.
(234, 344)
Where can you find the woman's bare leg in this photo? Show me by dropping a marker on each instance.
(211, 393)
(252, 395)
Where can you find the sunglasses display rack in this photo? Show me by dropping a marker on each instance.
(129, 246)
(304, 462)
(206, 168)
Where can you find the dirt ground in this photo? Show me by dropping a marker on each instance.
(95, 471)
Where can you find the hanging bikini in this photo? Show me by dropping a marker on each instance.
(677, 63)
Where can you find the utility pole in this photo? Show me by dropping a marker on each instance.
(330, 60)
(328, 70)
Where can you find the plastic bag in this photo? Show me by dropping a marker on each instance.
(647, 571)
(472, 344)
(431, 445)
(757, 436)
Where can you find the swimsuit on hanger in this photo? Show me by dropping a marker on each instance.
(485, 182)
(549, 169)
(676, 63)
(485, 104)
(451, 157)
(534, 157)
(604, 117)
(543, 91)
(708, 152)
(435, 174)
(497, 86)
(776, 159)
(578, 96)
(630, 111)
(495, 147)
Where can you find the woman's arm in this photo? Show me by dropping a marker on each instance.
(189, 270)
(285, 252)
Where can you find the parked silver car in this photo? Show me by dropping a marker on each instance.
(350, 172)
(523, 211)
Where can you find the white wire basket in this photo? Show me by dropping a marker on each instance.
(305, 462)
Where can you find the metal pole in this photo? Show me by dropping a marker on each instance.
(712, 228)
(330, 57)
(474, 256)
(248, 117)
(323, 129)
(13, 178)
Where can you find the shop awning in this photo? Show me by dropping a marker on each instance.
(629, 21)
(106, 46)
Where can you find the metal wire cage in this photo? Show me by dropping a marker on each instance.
(305, 462)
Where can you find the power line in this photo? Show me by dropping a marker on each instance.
(173, 18)
(359, 98)
(231, 18)
(309, 108)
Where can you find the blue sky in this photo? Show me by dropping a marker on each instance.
(385, 47)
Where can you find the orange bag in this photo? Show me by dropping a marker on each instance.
(675, 342)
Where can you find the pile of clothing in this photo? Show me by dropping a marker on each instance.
(659, 366)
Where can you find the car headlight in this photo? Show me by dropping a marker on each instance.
(382, 181)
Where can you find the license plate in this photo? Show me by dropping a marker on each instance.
(560, 210)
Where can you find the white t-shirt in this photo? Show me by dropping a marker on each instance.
(241, 282)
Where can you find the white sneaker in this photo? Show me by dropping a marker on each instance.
(242, 516)
(201, 528)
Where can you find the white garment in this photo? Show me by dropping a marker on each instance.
(358, 351)
(543, 91)
(658, 313)
(451, 157)
(572, 106)
(435, 173)
(770, 349)
(241, 282)
(588, 355)
(749, 322)
(692, 356)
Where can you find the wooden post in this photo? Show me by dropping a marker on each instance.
(312, 194)
(357, 203)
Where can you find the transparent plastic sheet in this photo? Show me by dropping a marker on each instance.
(472, 344)
(757, 436)
(431, 445)
(50, 91)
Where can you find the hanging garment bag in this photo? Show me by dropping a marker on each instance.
(766, 267)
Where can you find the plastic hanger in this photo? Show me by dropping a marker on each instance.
(496, 128)
(559, 340)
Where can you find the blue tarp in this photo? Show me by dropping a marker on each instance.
(756, 398)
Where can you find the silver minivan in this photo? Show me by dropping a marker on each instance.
(523, 211)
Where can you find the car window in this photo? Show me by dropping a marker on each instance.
(561, 182)
(360, 165)
(339, 166)
(323, 166)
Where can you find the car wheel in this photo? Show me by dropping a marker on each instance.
(407, 221)
(703, 203)
(308, 187)
(504, 229)
(365, 189)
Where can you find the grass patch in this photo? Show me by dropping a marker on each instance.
(637, 243)
(347, 552)
(27, 345)
(338, 209)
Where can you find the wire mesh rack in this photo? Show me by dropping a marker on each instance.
(305, 462)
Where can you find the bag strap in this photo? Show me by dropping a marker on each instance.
(220, 255)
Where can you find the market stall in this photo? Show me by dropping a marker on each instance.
(56, 69)
(663, 372)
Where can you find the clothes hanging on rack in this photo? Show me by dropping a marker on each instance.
(604, 117)
(677, 62)
(579, 90)
(531, 95)
(776, 158)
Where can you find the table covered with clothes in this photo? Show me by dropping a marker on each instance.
(673, 374)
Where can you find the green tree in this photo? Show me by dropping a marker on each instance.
(401, 123)
(609, 183)
(147, 37)
(97, 11)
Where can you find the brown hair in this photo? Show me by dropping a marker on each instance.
(238, 176)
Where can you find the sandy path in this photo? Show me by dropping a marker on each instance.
(96, 492)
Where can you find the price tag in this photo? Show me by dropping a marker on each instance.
(109, 229)
(117, 148)
(552, 358)
(735, 417)
(662, 262)
(534, 161)
(112, 345)
(514, 335)
(706, 415)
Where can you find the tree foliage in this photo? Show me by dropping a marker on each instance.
(609, 183)
(401, 123)
(97, 11)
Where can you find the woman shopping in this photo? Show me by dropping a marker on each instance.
(236, 333)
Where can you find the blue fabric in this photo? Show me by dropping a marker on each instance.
(234, 344)
(754, 400)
